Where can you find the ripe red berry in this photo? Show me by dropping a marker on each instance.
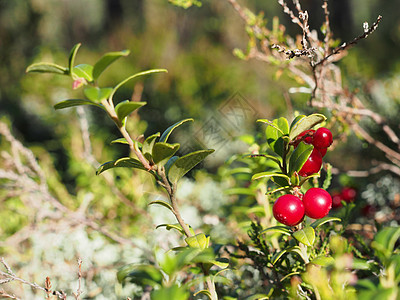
(348, 194)
(337, 200)
(312, 165)
(317, 203)
(288, 210)
(322, 151)
(322, 138)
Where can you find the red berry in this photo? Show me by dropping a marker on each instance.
(312, 165)
(317, 203)
(348, 194)
(337, 200)
(322, 151)
(288, 210)
(307, 140)
(322, 138)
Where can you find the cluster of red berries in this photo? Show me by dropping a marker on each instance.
(347, 194)
(321, 139)
(290, 210)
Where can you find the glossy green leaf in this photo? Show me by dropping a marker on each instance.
(185, 163)
(164, 137)
(106, 60)
(323, 260)
(140, 274)
(275, 133)
(324, 220)
(172, 226)
(282, 181)
(268, 175)
(278, 255)
(305, 123)
(220, 262)
(305, 236)
(295, 121)
(47, 68)
(76, 102)
(277, 229)
(97, 94)
(171, 292)
(133, 77)
(72, 56)
(271, 157)
(83, 71)
(120, 141)
(162, 152)
(126, 162)
(169, 163)
(198, 241)
(385, 241)
(148, 144)
(299, 157)
(124, 108)
(162, 203)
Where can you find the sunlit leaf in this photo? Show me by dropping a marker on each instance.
(76, 102)
(47, 68)
(164, 137)
(277, 229)
(83, 71)
(124, 108)
(305, 236)
(162, 203)
(305, 123)
(268, 175)
(148, 144)
(324, 220)
(198, 241)
(162, 152)
(140, 274)
(323, 260)
(72, 56)
(126, 162)
(97, 94)
(120, 141)
(106, 60)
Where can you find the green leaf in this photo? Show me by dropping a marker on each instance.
(324, 220)
(198, 241)
(171, 292)
(172, 226)
(278, 255)
(140, 274)
(204, 292)
(276, 134)
(76, 102)
(162, 152)
(72, 55)
(282, 181)
(299, 157)
(106, 60)
(323, 260)
(134, 76)
(185, 163)
(385, 241)
(305, 123)
(295, 121)
(305, 236)
(277, 229)
(169, 163)
(120, 141)
(239, 191)
(83, 71)
(162, 203)
(269, 174)
(47, 68)
(97, 94)
(220, 262)
(126, 162)
(148, 144)
(126, 107)
(164, 137)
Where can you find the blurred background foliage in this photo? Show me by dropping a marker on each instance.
(196, 46)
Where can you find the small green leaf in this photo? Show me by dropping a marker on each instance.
(282, 181)
(185, 163)
(323, 260)
(220, 262)
(97, 94)
(276, 134)
(148, 144)
(164, 137)
(324, 220)
(269, 174)
(295, 121)
(204, 292)
(299, 157)
(106, 60)
(169, 163)
(163, 203)
(172, 226)
(385, 241)
(305, 236)
(278, 255)
(83, 71)
(271, 157)
(47, 68)
(76, 102)
(239, 191)
(162, 152)
(277, 229)
(72, 55)
(140, 274)
(120, 141)
(305, 123)
(134, 76)
(171, 292)
(126, 107)
(126, 162)
(198, 241)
